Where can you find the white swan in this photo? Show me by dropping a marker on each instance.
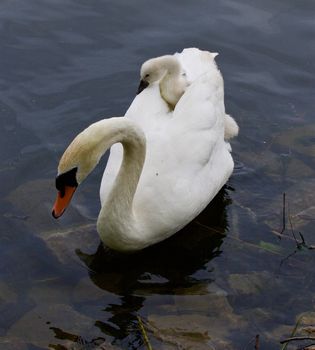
(166, 166)
(173, 79)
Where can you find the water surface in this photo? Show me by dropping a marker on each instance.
(228, 276)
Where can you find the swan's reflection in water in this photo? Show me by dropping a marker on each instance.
(166, 268)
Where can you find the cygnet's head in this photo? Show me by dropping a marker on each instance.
(155, 69)
(151, 71)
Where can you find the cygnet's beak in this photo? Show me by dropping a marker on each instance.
(143, 84)
(62, 201)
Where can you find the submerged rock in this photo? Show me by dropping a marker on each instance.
(304, 327)
(64, 243)
(86, 290)
(50, 291)
(280, 167)
(278, 333)
(7, 294)
(32, 202)
(196, 322)
(12, 344)
(252, 283)
(277, 166)
(306, 322)
(189, 332)
(300, 140)
(52, 324)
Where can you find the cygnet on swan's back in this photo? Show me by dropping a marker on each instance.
(168, 72)
(174, 74)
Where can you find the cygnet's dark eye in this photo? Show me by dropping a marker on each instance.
(147, 75)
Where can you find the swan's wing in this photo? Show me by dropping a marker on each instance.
(194, 104)
(187, 161)
(199, 120)
(199, 133)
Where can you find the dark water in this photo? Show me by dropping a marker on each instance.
(227, 277)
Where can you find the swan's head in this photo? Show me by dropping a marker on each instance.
(66, 184)
(155, 69)
(79, 159)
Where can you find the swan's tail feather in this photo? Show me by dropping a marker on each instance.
(231, 128)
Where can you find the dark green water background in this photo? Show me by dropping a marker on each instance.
(65, 64)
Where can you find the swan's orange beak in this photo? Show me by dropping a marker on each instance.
(62, 201)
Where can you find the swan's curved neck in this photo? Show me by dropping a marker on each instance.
(117, 216)
(133, 141)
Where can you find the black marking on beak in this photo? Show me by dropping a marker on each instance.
(143, 84)
(66, 179)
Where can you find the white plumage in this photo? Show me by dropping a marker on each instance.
(187, 160)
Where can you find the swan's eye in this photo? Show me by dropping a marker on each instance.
(66, 179)
(147, 75)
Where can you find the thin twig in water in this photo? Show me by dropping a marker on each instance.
(296, 339)
(144, 334)
(257, 342)
(302, 243)
(253, 340)
(283, 215)
(306, 347)
(234, 237)
(293, 331)
(299, 244)
(291, 225)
